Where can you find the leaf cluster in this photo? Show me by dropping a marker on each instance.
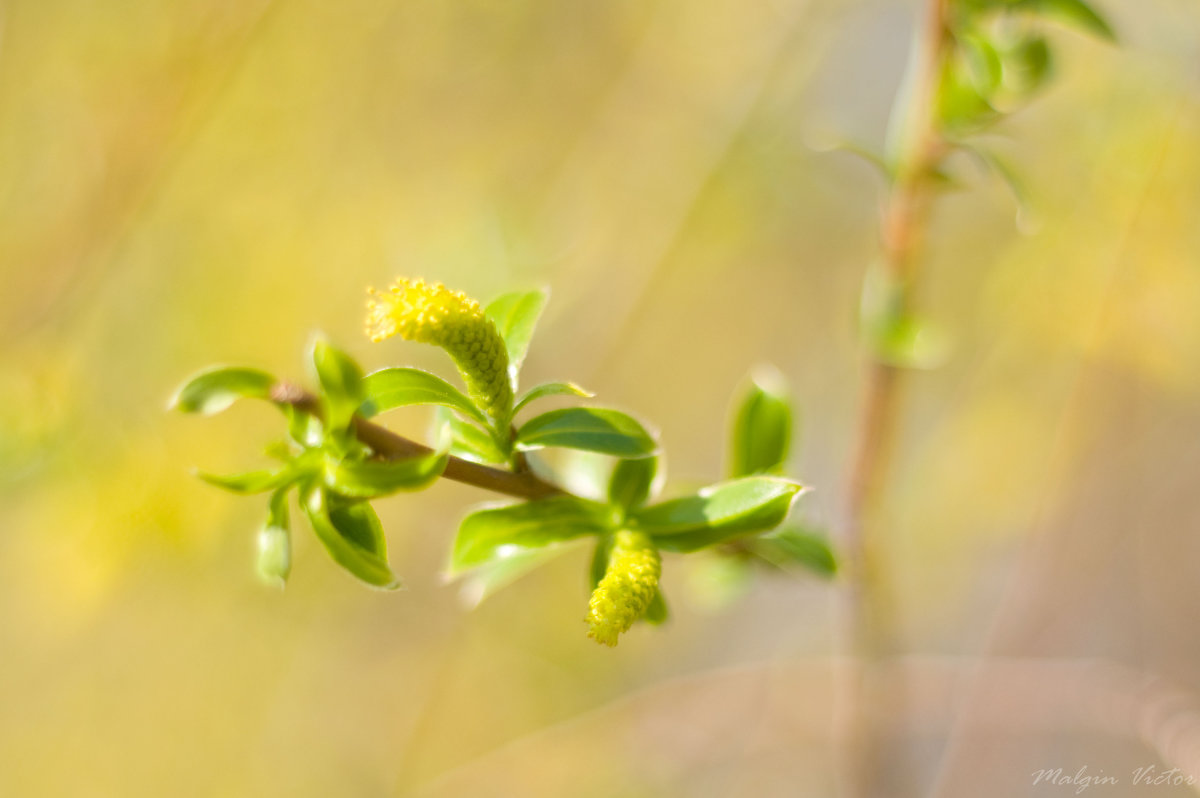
(336, 475)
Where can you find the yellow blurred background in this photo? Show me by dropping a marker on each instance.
(207, 181)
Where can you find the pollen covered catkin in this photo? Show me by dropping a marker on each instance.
(629, 585)
(430, 313)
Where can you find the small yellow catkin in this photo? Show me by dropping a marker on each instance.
(629, 585)
(433, 314)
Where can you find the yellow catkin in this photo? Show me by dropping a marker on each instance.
(431, 313)
(629, 585)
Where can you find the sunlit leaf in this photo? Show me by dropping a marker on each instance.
(592, 429)
(485, 534)
(796, 546)
(631, 481)
(213, 390)
(250, 481)
(718, 513)
(468, 440)
(509, 565)
(396, 387)
(341, 382)
(367, 479)
(762, 426)
(353, 537)
(551, 389)
(516, 315)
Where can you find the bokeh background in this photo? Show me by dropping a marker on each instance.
(210, 181)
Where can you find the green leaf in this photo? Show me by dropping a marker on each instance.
(467, 440)
(396, 387)
(631, 481)
(794, 546)
(367, 479)
(961, 105)
(341, 382)
(213, 390)
(250, 481)
(499, 572)
(486, 534)
(718, 513)
(353, 537)
(657, 613)
(592, 429)
(599, 562)
(762, 426)
(1076, 14)
(275, 543)
(1027, 65)
(516, 316)
(982, 61)
(551, 389)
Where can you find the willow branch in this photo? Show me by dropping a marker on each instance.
(384, 442)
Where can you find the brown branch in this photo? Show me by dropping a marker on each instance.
(872, 766)
(384, 442)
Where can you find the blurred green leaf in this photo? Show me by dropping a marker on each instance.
(551, 389)
(353, 537)
(397, 387)
(213, 390)
(961, 105)
(982, 61)
(341, 382)
(1076, 14)
(657, 613)
(485, 534)
(592, 429)
(794, 546)
(718, 513)
(1027, 64)
(250, 481)
(599, 562)
(275, 543)
(469, 441)
(484, 581)
(631, 481)
(516, 315)
(367, 479)
(762, 426)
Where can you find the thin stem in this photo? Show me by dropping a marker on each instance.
(871, 768)
(384, 442)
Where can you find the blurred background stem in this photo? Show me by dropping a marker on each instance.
(872, 764)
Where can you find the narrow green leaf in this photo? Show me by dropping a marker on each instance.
(796, 546)
(718, 513)
(551, 389)
(396, 387)
(213, 390)
(341, 382)
(353, 537)
(516, 315)
(592, 429)
(275, 543)
(631, 481)
(485, 534)
(367, 479)
(250, 481)
(762, 426)
(599, 562)
(1076, 14)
